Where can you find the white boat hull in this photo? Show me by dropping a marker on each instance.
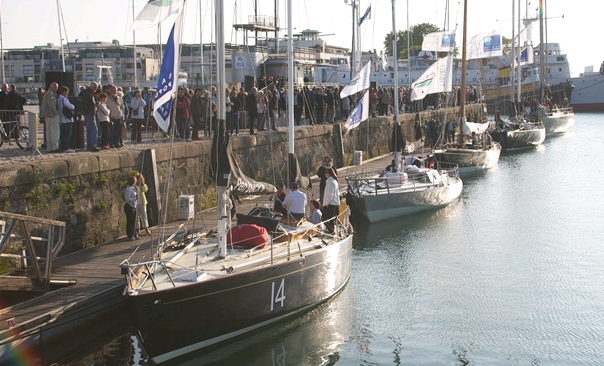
(390, 205)
(559, 122)
(471, 160)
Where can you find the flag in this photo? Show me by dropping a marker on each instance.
(360, 82)
(155, 12)
(437, 78)
(439, 42)
(526, 56)
(366, 15)
(168, 78)
(485, 45)
(526, 34)
(359, 114)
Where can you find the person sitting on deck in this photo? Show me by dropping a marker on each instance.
(295, 202)
(392, 168)
(316, 215)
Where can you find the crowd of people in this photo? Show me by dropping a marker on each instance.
(108, 112)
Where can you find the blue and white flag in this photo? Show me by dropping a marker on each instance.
(485, 45)
(359, 83)
(359, 114)
(168, 78)
(439, 41)
(366, 15)
(526, 56)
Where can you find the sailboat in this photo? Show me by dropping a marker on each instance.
(398, 192)
(482, 153)
(517, 133)
(223, 286)
(556, 120)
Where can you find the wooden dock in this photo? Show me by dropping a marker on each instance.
(46, 320)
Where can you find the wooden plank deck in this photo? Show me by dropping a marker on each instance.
(99, 282)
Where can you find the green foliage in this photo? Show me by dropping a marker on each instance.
(36, 195)
(416, 37)
(210, 198)
(99, 180)
(99, 206)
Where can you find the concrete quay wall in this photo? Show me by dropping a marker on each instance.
(86, 190)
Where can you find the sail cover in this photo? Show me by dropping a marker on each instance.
(225, 171)
(295, 175)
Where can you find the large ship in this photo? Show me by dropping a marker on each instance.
(588, 95)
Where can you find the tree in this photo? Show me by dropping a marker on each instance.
(507, 45)
(416, 33)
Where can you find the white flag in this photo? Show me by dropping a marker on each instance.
(360, 82)
(439, 42)
(156, 11)
(168, 78)
(437, 78)
(485, 45)
(359, 114)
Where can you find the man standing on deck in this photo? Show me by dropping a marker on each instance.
(49, 111)
(295, 202)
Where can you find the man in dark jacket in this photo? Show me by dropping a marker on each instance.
(88, 109)
(252, 109)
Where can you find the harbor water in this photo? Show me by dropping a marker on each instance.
(510, 274)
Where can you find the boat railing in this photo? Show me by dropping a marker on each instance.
(364, 183)
(563, 110)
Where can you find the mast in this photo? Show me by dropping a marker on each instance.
(134, 45)
(290, 82)
(519, 69)
(408, 50)
(353, 52)
(221, 189)
(541, 55)
(395, 94)
(462, 102)
(513, 69)
(61, 34)
(2, 46)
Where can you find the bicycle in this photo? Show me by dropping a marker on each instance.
(15, 132)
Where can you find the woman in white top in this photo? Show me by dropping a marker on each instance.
(331, 199)
(102, 115)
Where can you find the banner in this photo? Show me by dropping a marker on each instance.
(168, 78)
(156, 11)
(366, 15)
(359, 114)
(439, 42)
(360, 82)
(485, 45)
(437, 78)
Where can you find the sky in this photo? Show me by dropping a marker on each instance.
(29, 23)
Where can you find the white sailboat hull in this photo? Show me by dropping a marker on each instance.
(559, 122)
